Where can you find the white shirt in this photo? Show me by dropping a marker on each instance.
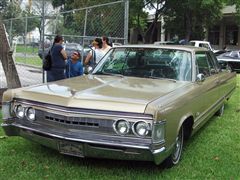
(99, 53)
(106, 49)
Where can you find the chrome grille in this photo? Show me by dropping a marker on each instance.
(77, 121)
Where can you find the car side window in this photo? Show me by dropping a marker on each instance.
(213, 58)
(211, 64)
(202, 64)
(204, 46)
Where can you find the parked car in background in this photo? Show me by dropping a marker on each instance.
(68, 47)
(71, 47)
(230, 60)
(204, 44)
(141, 102)
(47, 45)
(220, 52)
(116, 44)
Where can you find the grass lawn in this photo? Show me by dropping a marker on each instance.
(28, 49)
(31, 58)
(34, 61)
(212, 153)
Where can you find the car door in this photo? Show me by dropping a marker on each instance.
(209, 88)
(226, 83)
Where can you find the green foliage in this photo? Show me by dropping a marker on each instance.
(16, 25)
(191, 17)
(237, 4)
(12, 10)
(98, 18)
(3, 5)
(137, 17)
(104, 20)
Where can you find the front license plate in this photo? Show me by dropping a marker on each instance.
(71, 148)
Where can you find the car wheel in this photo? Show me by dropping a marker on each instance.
(174, 158)
(220, 111)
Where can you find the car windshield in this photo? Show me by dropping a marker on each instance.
(147, 63)
(232, 54)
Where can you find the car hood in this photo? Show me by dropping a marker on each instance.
(115, 93)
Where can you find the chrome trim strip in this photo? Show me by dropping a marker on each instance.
(159, 150)
(75, 139)
(85, 111)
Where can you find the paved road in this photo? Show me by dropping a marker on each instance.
(28, 75)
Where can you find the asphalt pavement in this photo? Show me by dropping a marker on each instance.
(28, 75)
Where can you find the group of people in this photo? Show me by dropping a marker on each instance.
(63, 67)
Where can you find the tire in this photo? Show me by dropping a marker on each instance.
(220, 111)
(174, 158)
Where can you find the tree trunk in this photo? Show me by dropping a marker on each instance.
(188, 26)
(6, 58)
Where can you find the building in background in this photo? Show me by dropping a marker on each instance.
(226, 33)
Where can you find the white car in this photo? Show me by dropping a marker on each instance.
(204, 44)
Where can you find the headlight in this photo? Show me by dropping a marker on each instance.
(19, 111)
(121, 127)
(30, 114)
(141, 128)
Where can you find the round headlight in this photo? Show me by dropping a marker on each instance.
(19, 111)
(30, 114)
(121, 127)
(141, 128)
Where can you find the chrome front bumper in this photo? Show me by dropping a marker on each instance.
(88, 146)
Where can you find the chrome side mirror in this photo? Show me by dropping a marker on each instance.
(88, 70)
(200, 77)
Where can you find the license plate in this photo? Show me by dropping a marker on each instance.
(71, 148)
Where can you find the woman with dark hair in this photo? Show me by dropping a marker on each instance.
(96, 54)
(58, 56)
(105, 44)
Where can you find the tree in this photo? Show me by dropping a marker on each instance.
(137, 20)
(7, 61)
(3, 5)
(187, 19)
(158, 6)
(37, 10)
(237, 4)
(102, 20)
(16, 19)
(14, 26)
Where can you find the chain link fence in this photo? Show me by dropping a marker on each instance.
(31, 36)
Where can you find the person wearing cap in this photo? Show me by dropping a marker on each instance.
(58, 57)
(74, 66)
(96, 54)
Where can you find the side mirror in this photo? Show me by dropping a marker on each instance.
(88, 70)
(200, 77)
